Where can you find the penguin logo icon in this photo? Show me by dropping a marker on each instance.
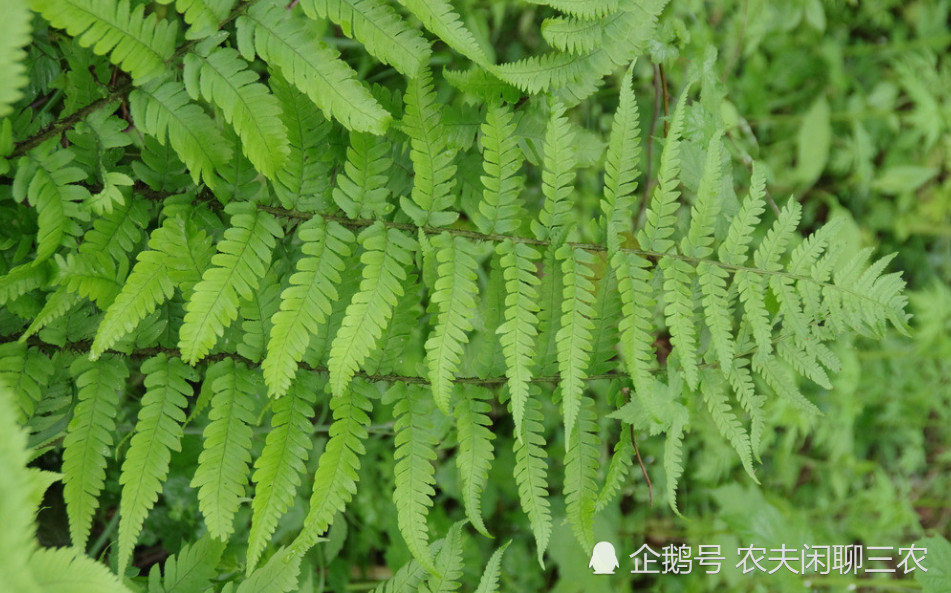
(603, 558)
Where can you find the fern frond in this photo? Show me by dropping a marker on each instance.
(734, 249)
(475, 450)
(278, 575)
(335, 481)
(57, 199)
(148, 286)
(164, 111)
(573, 35)
(784, 384)
(434, 175)
(88, 438)
(12, 70)
(662, 211)
(118, 232)
(68, 570)
(531, 467)
(621, 462)
(448, 564)
(637, 324)
(621, 166)
(312, 67)
(439, 17)
(257, 315)
(714, 394)
(92, 276)
(242, 259)
(189, 251)
(277, 470)
(500, 211)
(415, 453)
(698, 241)
(399, 335)
(454, 297)
(718, 312)
(139, 44)
(558, 176)
(202, 16)
(574, 338)
(222, 471)
(224, 79)
(673, 455)
(303, 183)
(192, 569)
(25, 372)
(489, 583)
(361, 190)
(517, 334)
(57, 305)
(679, 280)
(386, 256)
(741, 380)
(587, 9)
(23, 279)
(379, 28)
(581, 475)
(158, 432)
(306, 303)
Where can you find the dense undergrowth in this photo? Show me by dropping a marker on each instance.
(432, 296)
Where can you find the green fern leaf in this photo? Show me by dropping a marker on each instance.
(148, 286)
(257, 314)
(138, 44)
(57, 199)
(718, 313)
(621, 167)
(306, 303)
(475, 450)
(379, 28)
(575, 339)
(164, 111)
(12, 70)
(673, 455)
(434, 175)
(57, 305)
(587, 9)
(489, 583)
(189, 252)
(192, 569)
(714, 394)
(733, 250)
(661, 214)
(68, 570)
(558, 176)
(303, 183)
(335, 481)
(783, 383)
(203, 16)
(573, 35)
(636, 325)
(621, 462)
(448, 564)
(752, 403)
(92, 276)
(278, 575)
(500, 211)
(774, 246)
(223, 464)
(118, 232)
(88, 438)
(531, 467)
(242, 259)
(25, 372)
(224, 79)
(454, 297)
(386, 256)
(415, 453)
(679, 280)
(581, 475)
(312, 67)
(698, 241)
(23, 279)
(158, 431)
(517, 334)
(361, 190)
(277, 470)
(439, 17)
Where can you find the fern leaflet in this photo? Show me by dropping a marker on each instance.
(531, 468)
(306, 303)
(475, 450)
(158, 431)
(500, 211)
(223, 464)
(581, 475)
(242, 259)
(88, 438)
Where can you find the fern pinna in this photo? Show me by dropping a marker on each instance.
(234, 229)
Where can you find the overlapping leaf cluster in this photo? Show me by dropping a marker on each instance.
(184, 232)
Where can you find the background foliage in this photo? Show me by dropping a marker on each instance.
(543, 198)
